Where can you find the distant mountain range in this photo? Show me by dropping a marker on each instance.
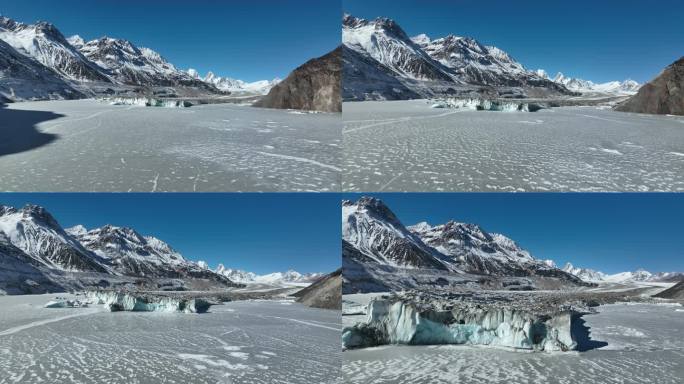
(261, 87)
(38, 255)
(38, 62)
(276, 278)
(640, 275)
(381, 62)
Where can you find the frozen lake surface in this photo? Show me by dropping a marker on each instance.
(239, 342)
(408, 146)
(638, 343)
(87, 145)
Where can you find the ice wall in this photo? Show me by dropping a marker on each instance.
(398, 322)
(487, 105)
(149, 102)
(123, 301)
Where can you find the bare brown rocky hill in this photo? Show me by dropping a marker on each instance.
(314, 86)
(323, 293)
(674, 292)
(664, 95)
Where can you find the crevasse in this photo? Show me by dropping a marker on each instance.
(398, 322)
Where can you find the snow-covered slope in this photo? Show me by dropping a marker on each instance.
(33, 230)
(383, 40)
(234, 86)
(373, 229)
(23, 78)
(276, 278)
(46, 44)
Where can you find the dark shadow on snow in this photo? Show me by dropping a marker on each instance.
(18, 132)
(581, 334)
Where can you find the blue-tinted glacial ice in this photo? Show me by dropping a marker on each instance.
(141, 302)
(395, 321)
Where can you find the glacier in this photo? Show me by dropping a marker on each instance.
(124, 301)
(148, 102)
(477, 104)
(399, 322)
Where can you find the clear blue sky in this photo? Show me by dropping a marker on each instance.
(599, 40)
(245, 39)
(261, 233)
(607, 232)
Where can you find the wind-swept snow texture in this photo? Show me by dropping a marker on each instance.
(408, 146)
(239, 342)
(628, 344)
(224, 147)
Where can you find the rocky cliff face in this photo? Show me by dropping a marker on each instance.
(314, 86)
(662, 96)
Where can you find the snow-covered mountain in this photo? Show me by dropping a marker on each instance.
(372, 228)
(584, 273)
(46, 44)
(627, 87)
(130, 253)
(276, 278)
(379, 238)
(32, 240)
(640, 275)
(261, 87)
(134, 65)
(23, 78)
(33, 230)
(43, 64)
(426, 66)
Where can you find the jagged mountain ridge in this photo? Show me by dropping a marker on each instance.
(377, 237)
(32, 237)
(46, 44)
(425, 66)
(74, 68)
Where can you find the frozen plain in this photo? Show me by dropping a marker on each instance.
(408, 146)
(88, 145)
(634, 343)
(238, 342)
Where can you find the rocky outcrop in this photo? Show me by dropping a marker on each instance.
(664, 95)
(324, 293)
(674, 292)
(314, 86)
